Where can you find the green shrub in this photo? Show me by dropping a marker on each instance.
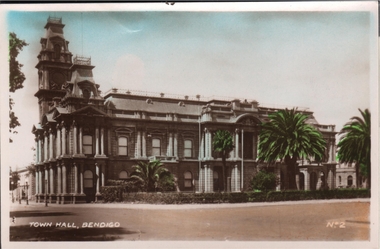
(264, 181)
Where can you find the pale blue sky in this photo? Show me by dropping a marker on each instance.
(319, 60)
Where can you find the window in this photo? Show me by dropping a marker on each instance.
(123, 175)
(340, 180)
(88, 179)
(188, 179)
(87, 144)
(57, 51)
(349, 180)
(123, 146)
(188, 148)
(156, 147)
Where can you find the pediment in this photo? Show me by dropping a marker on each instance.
(90, 111)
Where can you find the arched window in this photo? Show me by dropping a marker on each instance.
(88, 179)
(188, 183)
(123, 175)
(188, 148)
(57, 51)
(87, 145)
(349, 181)
(123, 146)
(156, 147)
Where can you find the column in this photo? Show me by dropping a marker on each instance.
(46, 157)
(237, 143)
(75, 178)
(37, 180)
(63, 139)
(144, 144)
(64, 187)
(210, 145)
(206, 178)
(201, 182)
(36, 144)
(80, 140)
(102, 141)
(46, 180)
(59, 179)
(51, 180)
(75, 139)
(51, 144)
(175, 144)
(40, 181)
(58, 154)
(96, 141)
(81, 179)
(97, 178)
(103, 175)
(138, 145)
(169, 151)
(39, 149)
(206, 143)
(202, 147)
(307, 180)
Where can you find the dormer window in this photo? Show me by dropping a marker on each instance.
(149, 101)
(86, 94)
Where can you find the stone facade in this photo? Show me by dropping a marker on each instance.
(85, 138)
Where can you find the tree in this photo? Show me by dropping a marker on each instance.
(355, 144)
(264, 181)
(16, 77)
(286, 136)
(222, 143)
(150, 174)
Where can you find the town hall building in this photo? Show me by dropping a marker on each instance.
(85, 137)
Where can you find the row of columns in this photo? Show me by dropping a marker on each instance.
(47, 150)
(141, 145)
(205, 151)
(329, 179)
(45, 179)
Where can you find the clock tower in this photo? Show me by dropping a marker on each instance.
(54, 62)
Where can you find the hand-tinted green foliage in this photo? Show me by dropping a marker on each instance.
(150, 175)
(223, 143)
(16, 77)
(264, 181)
(288, 137)
(355, 143)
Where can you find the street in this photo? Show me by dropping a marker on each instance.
(333, 220)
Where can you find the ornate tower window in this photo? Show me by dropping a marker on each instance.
(57, 51)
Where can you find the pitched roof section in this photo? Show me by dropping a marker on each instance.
(154, 105)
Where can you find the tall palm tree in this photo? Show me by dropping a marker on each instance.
(286, 136)
(355, 144)
(149, 174)
(222, 143)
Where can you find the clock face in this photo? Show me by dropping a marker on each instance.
(57, 81)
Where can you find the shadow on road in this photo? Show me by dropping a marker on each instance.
(37, 213)
(27, 233)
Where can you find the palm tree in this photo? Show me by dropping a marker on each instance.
(287, 137)
(355, 144)
(149, 174)
(222, 143)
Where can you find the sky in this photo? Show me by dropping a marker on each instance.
(315, 59)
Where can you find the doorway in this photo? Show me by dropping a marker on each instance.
(88, 186)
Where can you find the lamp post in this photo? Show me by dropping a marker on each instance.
(13, 198)
(46, 202)
(27, 194)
